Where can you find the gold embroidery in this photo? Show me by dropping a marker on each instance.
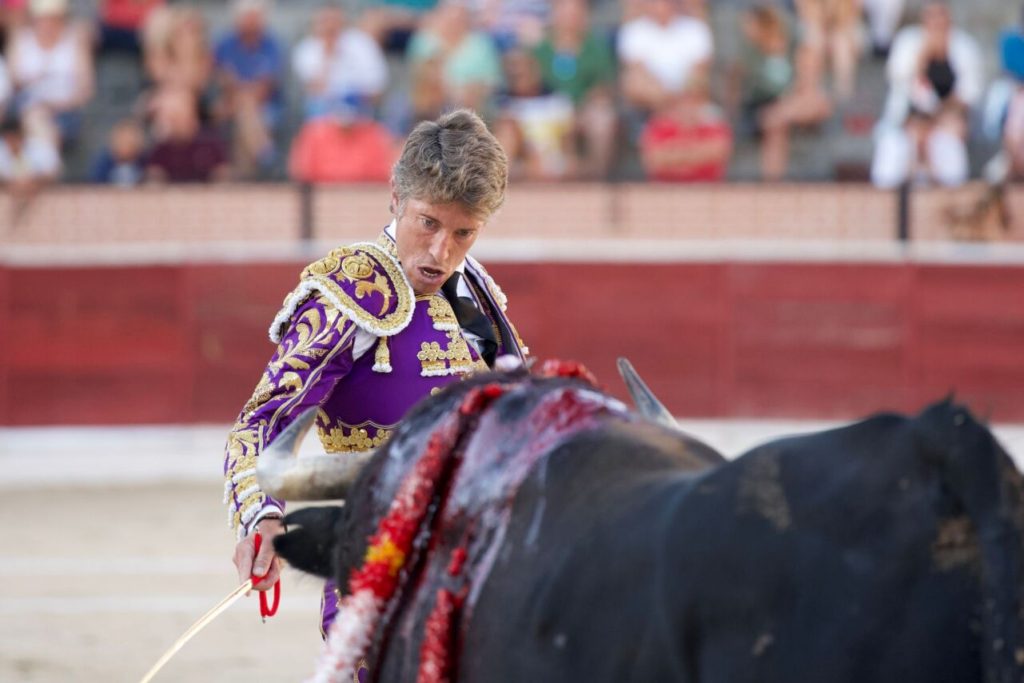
(243, 492)
(344, 439)
(440, 311)
(309, 328)
(345, 341)
(380, 284)
(291, 380)
(387, 244)
(382, 356)
(260, 395)
(356, 266)
(519, 340)
(432, 359)
(456, 359)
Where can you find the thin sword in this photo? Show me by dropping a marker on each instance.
(195, 628)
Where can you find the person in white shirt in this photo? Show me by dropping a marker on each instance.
(662, 52)
(52, 69)
(935, 79)
(336, 62)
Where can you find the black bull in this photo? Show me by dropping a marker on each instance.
(888, 550)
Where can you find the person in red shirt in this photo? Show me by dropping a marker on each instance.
(344, 146)
(687, 140)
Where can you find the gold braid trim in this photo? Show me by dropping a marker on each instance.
(382, 356)
(362, 281)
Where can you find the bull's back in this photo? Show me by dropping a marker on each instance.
(579, 567)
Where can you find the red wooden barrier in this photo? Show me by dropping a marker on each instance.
(187, 343)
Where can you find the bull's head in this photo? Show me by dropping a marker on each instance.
(286, 476)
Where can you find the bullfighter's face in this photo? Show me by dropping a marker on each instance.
(432, 240)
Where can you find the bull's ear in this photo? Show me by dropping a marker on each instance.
(311, 540)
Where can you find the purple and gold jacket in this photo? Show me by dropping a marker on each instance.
(359, 291)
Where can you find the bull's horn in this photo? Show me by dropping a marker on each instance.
(647, 404)
(284, 475)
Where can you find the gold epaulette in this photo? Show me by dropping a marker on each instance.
(362, 281)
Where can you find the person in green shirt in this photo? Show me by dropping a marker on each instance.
(577, 62)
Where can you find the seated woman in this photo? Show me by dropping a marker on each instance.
(535, 125)
(935, 79)
(780, 85)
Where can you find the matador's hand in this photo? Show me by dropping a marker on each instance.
(248, 565)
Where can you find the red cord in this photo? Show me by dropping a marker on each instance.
(265, 610)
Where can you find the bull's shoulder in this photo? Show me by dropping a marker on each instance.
(363, 281)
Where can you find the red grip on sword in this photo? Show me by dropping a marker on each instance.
(265, 610)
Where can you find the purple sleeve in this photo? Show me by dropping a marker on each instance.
(313, 355)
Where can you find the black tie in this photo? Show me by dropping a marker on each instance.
(471, 318)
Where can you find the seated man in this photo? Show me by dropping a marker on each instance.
(661, 53)
(344, 145)
(185, 152)
(337, 61)
(249, 66)
(373, 328)
(688, 140)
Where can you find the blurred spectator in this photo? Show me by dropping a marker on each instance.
(177, 51)
(393, 22)
(1013, 138)
(1004, 110)
(535, 126)
(698, 9)
(780, 85)
(121, 23)
(28, 162)
(884, 17)
(13, 16)
(6, 88)
(514, 23)
(577, 63)
(184, 151)
(935, 78)
(344, 146)
(1011, 51)
(832, 28)
(689, 140)
(337, 62)
(425, 99)
(52, 69)
(249, 65)
(765, 68)
(662, 53)
(121, 162)
(470, 63)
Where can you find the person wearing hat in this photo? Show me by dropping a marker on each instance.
(52, 70)
(344, 145)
